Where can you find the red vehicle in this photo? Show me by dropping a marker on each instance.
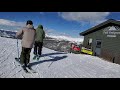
(75, 47)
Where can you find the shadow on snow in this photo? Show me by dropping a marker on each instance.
(50, 60)
(52, 54)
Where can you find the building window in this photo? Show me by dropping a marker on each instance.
(90, 43)
(98, 44)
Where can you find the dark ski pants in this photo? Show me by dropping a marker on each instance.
(25, 56)
(38, 48)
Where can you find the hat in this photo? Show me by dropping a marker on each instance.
(29, 22)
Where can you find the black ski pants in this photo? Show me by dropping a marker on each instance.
(25, 56)
(38, 48)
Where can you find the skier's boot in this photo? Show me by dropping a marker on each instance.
(24, 68)
(35, 56)
(38, 57)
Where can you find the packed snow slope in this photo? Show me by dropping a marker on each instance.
(54, 64)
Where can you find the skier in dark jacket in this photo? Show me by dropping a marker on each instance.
(40, 35)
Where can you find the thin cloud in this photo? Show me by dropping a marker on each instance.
(49, 30)
(55, 32)
(82, 17)
(41, 13)
(11, 23)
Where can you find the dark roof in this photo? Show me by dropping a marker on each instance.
(98, 27)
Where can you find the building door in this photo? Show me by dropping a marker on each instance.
(98, 48)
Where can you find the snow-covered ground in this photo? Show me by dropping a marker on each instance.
(54, 64)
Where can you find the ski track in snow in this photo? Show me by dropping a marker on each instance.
(54, 64)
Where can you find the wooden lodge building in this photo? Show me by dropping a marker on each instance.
(104, 40)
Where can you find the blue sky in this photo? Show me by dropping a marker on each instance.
(56, 23)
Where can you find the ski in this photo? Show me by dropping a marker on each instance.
(18, 60)
(31, 70)
(24, 68)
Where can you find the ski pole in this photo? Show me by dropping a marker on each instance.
(17, 48)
